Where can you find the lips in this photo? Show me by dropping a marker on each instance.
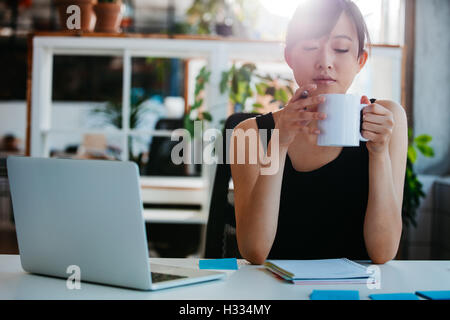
(324, 80)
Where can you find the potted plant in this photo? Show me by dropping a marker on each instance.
(201, 14)
(278, 90)
(214, 17)
(112, 114)
(66, 17)
(238, 83)
(109, 15)
(413, 187)
(194, 114)
(412, 190)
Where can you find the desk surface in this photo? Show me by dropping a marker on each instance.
(249, 282)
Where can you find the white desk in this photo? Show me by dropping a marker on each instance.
(249, 282)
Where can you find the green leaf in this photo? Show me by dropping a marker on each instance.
(234, 84)
(224, 81)
(267, 77)
(242, 87)
(258, 106)
(281, 95)
(189, 125)
(261, 88)
(412, 154)
(290, 90)
(410, 134)
(427, 151)
(233, 98)
(423, 139)
(197, 104)
(207, 116)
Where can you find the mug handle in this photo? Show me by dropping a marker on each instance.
(361, 138)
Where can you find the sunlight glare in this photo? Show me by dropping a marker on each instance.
(283, 8)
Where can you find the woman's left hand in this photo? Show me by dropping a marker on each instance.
(378, 125)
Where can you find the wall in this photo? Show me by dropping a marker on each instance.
(429, 240)
(431, 83)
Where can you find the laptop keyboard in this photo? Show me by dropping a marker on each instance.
(160, 277)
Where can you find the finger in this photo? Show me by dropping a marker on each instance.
(365, 100)
(374, 118)
(376, 109)
(376, 128)
(374, 137)
(308, 130)
(371, 136)
(308, 102)
(308, 87)
(306, 115)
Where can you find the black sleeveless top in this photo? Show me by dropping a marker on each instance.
(322, 211)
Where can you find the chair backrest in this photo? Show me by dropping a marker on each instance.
(159, 161)
(221, 229)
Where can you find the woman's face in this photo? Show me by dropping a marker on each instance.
(331, 62)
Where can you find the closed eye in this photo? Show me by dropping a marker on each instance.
(337, 50)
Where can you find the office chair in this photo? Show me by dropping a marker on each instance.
(159, 162)
(221, 228)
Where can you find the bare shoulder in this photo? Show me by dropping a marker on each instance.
(247, 124)
(251, 122)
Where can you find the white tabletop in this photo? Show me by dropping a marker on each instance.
(249, 282)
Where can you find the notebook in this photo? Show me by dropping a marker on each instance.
(325, 271)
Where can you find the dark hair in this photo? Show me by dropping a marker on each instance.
(315, 18)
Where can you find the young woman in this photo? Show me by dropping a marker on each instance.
(324, 202)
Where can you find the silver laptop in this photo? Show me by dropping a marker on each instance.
(87, 214)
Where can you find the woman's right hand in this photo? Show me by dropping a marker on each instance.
(297, 114)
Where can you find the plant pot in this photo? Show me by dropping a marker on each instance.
(109, 16)
(87, 16)
(224, 30)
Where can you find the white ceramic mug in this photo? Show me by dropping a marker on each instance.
(342, 124)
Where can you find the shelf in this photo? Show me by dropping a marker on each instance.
(155, 133)
(174, 216)
(175, 190)
(82, 131)
(174, 183)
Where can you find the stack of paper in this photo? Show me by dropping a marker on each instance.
(327, 271)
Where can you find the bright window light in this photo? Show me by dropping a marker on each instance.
(282, 8)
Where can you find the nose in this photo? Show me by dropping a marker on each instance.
(324, 59)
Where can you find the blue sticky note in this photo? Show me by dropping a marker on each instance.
(435, 295)
(219, 264)
(393, 296)
(334, 295)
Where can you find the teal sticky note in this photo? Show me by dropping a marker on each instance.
(393, 296)
(334, 295)
(435, 295)
(219, 264)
